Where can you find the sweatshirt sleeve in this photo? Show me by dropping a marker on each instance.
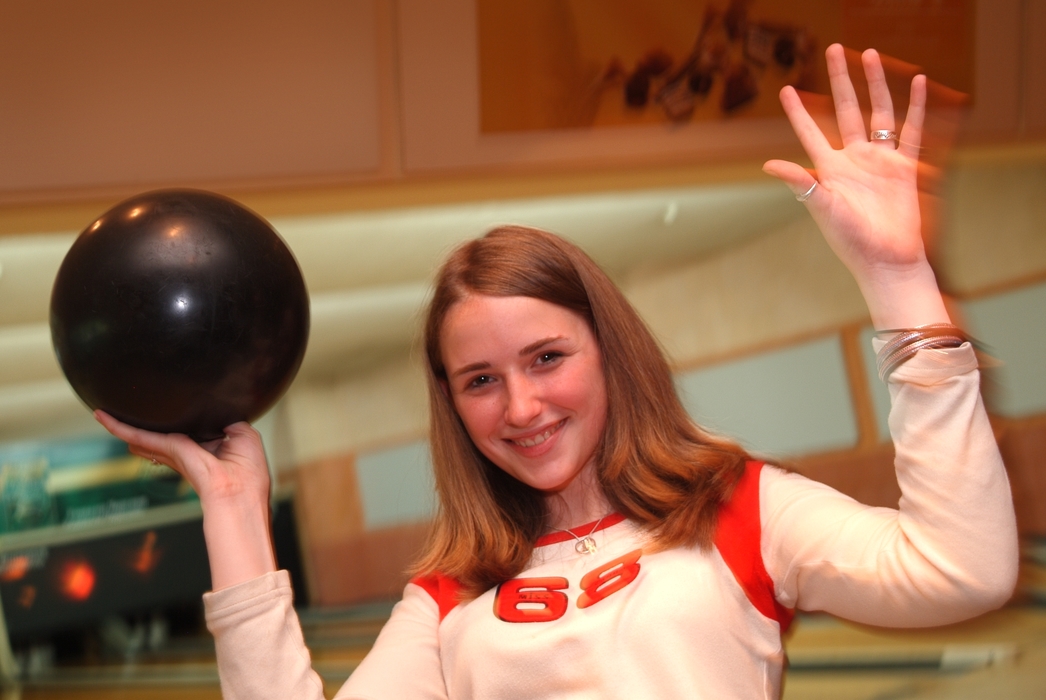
(262, 654)
(259, 643)
(949, 552)
(404, 663)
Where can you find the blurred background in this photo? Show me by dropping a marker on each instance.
(377, 134)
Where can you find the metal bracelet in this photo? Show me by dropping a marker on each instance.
(909, 341)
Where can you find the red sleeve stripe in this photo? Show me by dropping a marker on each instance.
(443, 589)
(738, 538)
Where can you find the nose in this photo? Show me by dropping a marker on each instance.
(522, 402)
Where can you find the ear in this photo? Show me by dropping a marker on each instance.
(445, 388)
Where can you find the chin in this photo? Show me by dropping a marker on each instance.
(552, 486)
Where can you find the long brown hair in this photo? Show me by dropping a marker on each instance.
(654, 464)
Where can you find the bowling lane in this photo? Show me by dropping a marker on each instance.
(1000, 655)
(1004, 649)
(116, 693)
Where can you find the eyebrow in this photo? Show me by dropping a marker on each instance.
(533, 347)
(539, 344)
(470, 368)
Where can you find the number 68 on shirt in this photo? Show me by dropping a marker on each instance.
(542, 599)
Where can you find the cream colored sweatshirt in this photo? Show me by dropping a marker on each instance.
(685, 623)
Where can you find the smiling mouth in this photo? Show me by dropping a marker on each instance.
(540, 437)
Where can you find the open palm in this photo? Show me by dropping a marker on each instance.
(866, 201)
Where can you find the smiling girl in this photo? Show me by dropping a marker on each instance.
(591, 540)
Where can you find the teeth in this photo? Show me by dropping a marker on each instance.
(540, 438)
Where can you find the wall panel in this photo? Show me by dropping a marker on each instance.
(122, 94)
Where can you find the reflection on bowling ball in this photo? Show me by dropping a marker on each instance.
(180, 311)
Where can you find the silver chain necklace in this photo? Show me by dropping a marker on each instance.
(585, 545)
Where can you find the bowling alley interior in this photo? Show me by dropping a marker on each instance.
(374, 136)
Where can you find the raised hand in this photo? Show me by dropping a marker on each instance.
(865, 197)
(231, 477)
(216, 470)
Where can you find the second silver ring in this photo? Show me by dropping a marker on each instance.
(806, 195)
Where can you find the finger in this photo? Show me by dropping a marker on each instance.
(213, 446)
(847, 108)
(242, 444)
(125, 432)
(800, 180)
(810, 135)
(158, 447)
(882, 118)
(236, 431)
(240, 428)
(912, 132)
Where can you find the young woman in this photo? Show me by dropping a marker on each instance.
(591, 540)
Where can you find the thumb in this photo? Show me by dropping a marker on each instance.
(799, 179)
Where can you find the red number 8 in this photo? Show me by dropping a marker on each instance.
(609, 578)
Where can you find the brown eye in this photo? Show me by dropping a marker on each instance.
(546, 358)
(481, 380)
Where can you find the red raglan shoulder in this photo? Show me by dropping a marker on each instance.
(738, 538)
(445, 590)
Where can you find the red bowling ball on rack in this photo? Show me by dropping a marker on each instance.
(180, 311)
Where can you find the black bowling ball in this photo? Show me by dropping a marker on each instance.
(180, 311)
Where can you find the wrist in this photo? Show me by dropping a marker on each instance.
(239, 540)
(903, 297)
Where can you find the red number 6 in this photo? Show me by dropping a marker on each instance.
(543, 592)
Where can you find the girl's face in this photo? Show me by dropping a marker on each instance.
(526, 378)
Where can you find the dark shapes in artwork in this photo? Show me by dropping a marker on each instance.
(740, 88)
(735, 20)
(700, 82)
(677, 100)
(785, 51)
(732, 50)
(656, 62)
(637, 89)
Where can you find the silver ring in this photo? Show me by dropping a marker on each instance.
(806, 195)
(883, 135)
